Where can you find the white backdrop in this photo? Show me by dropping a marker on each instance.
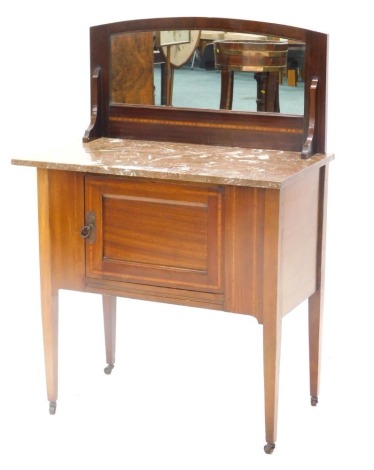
(186, 392)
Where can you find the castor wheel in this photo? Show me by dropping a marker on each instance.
(52, 407)
(108, 369)
(269, 447)
(314, 401)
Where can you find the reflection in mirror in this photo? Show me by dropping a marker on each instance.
(187, 69)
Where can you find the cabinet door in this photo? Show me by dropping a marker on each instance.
(155, 233)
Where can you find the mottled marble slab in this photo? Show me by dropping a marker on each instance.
(178, 161)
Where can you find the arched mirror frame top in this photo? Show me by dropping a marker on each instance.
(305, 133)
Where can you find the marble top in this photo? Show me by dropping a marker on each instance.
(178, 161)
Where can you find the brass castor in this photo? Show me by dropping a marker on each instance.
(269, 447)
(314, 401)
(108, 369)
(52, 407)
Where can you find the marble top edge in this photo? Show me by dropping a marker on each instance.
(177, 161)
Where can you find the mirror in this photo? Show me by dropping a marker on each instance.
(207, 70)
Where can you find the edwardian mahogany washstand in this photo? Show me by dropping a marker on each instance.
(213, 208)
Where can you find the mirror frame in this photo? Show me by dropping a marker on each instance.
(305, 133)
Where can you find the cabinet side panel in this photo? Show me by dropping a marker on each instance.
(299, 240)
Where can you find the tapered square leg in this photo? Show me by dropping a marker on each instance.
(272, 346)
(272, 319)
(315, 334)
(49, 293)
(50, 339)
(316, 300)
(110, 312)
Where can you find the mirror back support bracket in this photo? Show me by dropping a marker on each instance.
(307, 150)
(95, 128)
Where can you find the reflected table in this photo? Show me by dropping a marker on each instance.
(267, 58)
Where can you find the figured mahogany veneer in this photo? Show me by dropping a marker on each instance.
(232, 227)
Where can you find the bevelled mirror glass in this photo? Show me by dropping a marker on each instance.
(208, 70)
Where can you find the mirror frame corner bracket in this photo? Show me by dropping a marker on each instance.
(95, 128)
(308, 147)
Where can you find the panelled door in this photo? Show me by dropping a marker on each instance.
(154, 232)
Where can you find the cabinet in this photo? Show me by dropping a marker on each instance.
(243, 246)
